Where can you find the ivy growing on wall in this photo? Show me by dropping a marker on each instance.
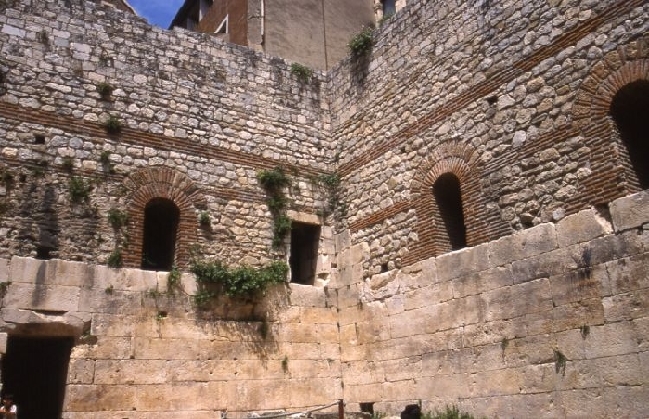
(235, 282)
(275, 182)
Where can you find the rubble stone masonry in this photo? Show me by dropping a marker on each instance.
(544, 312)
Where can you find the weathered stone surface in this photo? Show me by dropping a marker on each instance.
(395, 317)
(583, 226)
(630, 212)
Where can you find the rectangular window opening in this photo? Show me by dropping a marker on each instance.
(304, 252)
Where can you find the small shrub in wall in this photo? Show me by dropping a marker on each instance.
(302, 72)
(274, 181)
(204, 219)
(361, 43)
(115, 259)
(239, 281)
(117, 218)
(113, 125)
(105, 90)
(79, 189)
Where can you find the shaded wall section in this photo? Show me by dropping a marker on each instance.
(314, 32)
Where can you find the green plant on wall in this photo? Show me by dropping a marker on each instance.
(113, 125)
(79, 189)
(275, 182)
(68, 164)
(115, 258)
(117, 218)
(302, 72)
(204, 219)
(173, 279)
(559, 362)
(331, 182)
(105, 90)
(361, 43)
(238, 281)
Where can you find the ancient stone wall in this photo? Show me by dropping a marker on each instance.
(512, 98)
(548, 322)
(142, 351)
(543, 314)
(199, 119)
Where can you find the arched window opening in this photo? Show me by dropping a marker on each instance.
(449, 203)
(159, 241)
(630, 111)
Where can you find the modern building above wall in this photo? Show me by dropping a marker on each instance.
(314, 33)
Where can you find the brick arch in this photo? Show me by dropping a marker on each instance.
(611, 175)
(161, 182)
(481, 225)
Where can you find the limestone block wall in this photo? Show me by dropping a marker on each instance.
(199, 118)
(547, 322)
(142, 352)
(511, 97)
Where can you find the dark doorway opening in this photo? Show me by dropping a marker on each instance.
(35, 371)
(304, 252)
(448, 197)
(161, 218)
(630, 111)
(389, 8)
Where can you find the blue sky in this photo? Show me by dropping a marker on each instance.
(157, 12)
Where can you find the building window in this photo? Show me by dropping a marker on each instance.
(304, 252)
(448, 198)
(160, 227)
(630, 111)
(389, 7)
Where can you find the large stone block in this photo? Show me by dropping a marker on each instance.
(524, 244)
(4, 270)
(43, 297)
(411, 322)
(318, 315)
(81, 371)
(534, 405)
(96, 300)
(427, 296)
(131, 372)
(27, 270)
(462, 262)
(498, 382)
(625, 275)
(91, 398)
(543, 266)
(582, 227)
(612, 339)
(307, 296)
(296, 350)
(208, 370)
(574, 286)
(607, 248)
(577, 314)
(627, 306)
(453, 386)
(630, 212)
(359, 373)
(115, 348)
(372, 331)
(59, 272)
